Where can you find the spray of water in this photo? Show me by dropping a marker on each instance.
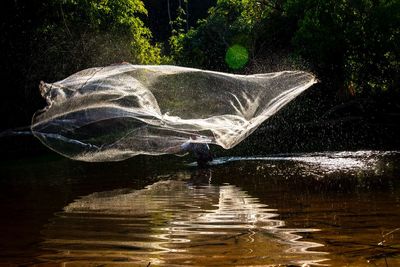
(116, 112)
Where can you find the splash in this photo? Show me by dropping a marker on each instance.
(116, 112)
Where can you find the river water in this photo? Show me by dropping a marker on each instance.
(317, 209)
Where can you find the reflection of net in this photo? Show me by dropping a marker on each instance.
(172, 223)
(116, 112)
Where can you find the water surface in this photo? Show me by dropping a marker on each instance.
(318, 209)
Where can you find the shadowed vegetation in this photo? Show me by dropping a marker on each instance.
(352, 46)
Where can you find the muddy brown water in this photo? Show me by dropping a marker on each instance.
(317, 209)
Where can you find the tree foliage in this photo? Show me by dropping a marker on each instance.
(49, 40)
(92, 32)
(229, 22)
(352, 45)
(354, 42)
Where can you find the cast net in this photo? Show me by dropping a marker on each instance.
(119, 111)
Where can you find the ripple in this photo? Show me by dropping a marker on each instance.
(174, 223)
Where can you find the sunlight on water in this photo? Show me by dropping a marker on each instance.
(320, 164)
(310, 209)
(176, 222)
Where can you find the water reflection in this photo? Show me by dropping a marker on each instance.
(185, 221)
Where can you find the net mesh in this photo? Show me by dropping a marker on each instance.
(116, 112)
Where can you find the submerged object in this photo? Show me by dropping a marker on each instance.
(119, 111)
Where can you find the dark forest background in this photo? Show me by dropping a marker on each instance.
(353, 46)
